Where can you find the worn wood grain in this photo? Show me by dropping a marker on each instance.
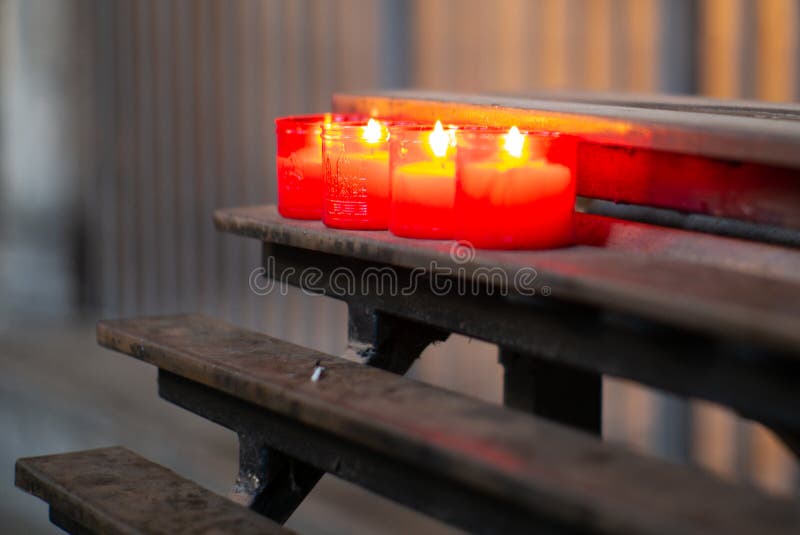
(115, 491)
(706, 298)
(561, 474)
(731, 254)
(771, 140)
(701, 156)
(695, 104)
(744, 191)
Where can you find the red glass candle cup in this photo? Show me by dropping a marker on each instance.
(515, 190)
(299, 163)
(356, 172)
(423, 180)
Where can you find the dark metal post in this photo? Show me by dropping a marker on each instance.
(561, 393)
(384, 341)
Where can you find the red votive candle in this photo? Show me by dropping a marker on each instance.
(514, 190)
(423, 179)
(356, 173)
(299, 163)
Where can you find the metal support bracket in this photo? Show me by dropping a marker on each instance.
(274, 484)
(384, 341)
(315, 452)
(562, 393)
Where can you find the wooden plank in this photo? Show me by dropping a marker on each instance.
(317, 450)
(557, 474)
(115, 491)
(732, 254)
(740, 138)
(695, 104)
(737, 373)
(702, 157)
(737, 190)
(708, 299)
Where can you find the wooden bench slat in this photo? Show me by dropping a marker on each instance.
(113, 490)
(708, 298)
(772, 138)
(731, 254)
(553, 471)
(683, 103)
(738, 190)
(685, 157)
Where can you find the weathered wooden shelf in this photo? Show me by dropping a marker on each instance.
(738, 161)
(115, 491)
(739, 131)
(708, 284)
(487, 468)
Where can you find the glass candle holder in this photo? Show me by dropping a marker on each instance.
(356, 173)
(423, 180)
(515, 190)
(299, 163)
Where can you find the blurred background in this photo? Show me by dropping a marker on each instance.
(125, 123)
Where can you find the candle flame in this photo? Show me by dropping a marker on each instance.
(440, 141)
(514, 142)
(373, 132)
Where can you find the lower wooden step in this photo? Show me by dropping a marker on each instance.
(113, 490)
(439, 452)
